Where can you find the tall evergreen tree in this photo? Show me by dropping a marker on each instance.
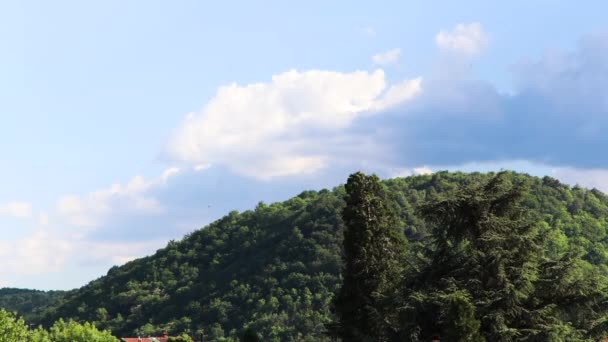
(373, 262)
(249, 335)
(485, 246)
(486, 276)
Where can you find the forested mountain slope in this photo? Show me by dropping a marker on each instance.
(29, 302)
(276, 268)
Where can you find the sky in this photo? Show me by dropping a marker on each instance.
(125, 124)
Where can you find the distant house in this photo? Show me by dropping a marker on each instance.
(163, 338)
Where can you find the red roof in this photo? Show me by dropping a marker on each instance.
(145, 339)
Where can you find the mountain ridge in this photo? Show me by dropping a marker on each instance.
(276, 268)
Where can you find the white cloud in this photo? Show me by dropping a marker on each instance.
(16, 209)
(325, 122)
(399, 93)
(72, 207)
(589, 178)
(423, 170)
(97, 206)
(283, 127)
(389, 57)
(37, 253)
(168, 173)
(47, 251)
(114, 253)
(43, 219)
(369, 31)
(201, 167)
(406, 172)
(288, 166)
(555, 115)
(468, 39)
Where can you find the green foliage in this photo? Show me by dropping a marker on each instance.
(182, 338)
(40, 335)
(484, 243)
(250, 336)
(276, 269)
(487, 275)
(28, 302)
(457, 315)
(71, 331)
(12, 328)
(373, 259)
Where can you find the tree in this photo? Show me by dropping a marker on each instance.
(373, 259)
(458, 317)
(182, 338)
(71, 331)
(12, 328)
(253, 269)
(485, 247)
(249, 335)
(486, 276)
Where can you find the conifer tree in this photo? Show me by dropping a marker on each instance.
(249, 335)
(373, 259)
(485, 246)
(486, 277)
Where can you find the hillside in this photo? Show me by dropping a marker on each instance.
(28, 302)
(276, 268)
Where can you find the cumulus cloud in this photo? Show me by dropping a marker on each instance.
(556, 115)
(468, 39)
(589, 178)
(423, 170)
(389, 57)
(95, 253)
(283, 127)
(168, 173)
(201, 167)
(56, 241)
(369, 31)
(309, 130)
(322, 124)
(48, 253)
(298, 124)
(40, 252)
(96, 207)
(16, 209)
(399, 94)
(43, 219)
(406, 172)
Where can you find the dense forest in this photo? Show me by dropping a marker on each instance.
(28, 302)
(275, 270)
(484, 274)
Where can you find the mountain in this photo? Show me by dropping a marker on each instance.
(28, 302)
(275, 269)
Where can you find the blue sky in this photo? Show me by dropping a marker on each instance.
(126, 124)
